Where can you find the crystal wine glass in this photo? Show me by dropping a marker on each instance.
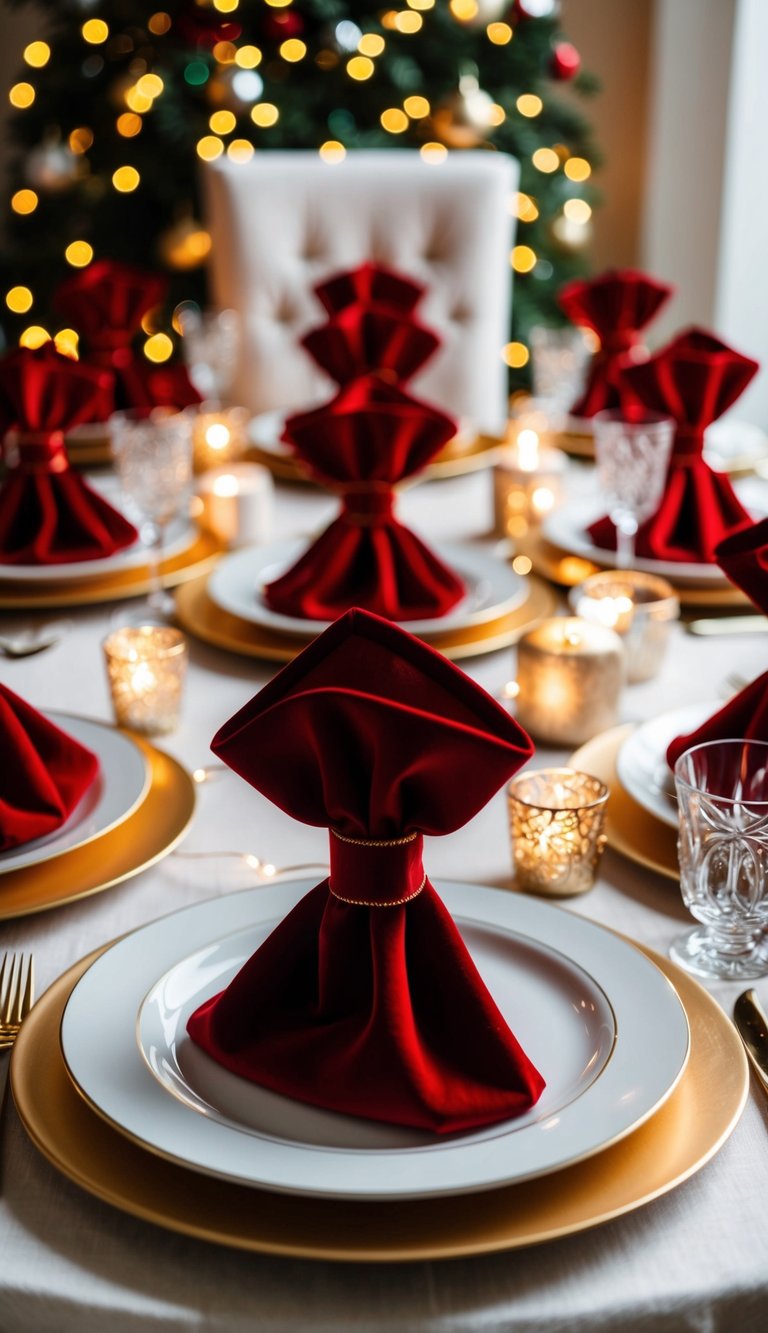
(210, 344)
(153, 460)
(632, 454)
(722, 791)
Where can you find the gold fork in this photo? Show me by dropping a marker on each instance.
(17, 988)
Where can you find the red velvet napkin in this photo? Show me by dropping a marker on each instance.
(744, 558)
(106, 303)
(370, 436)
(370, 284)
(367, 339)
(694, 379)
(48, 513)
(43, 776)
(364, 999)
(617, 305)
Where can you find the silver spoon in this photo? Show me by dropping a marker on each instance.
(28, 642)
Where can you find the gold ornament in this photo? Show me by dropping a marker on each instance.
(463, 119)
(185, 245)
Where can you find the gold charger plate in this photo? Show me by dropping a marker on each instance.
(630, 829)
(457, 458)
(196, 560)
(200, 616)
(149, 834)
(676, 1142)
(567, 571)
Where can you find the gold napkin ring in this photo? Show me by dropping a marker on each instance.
(403, 841)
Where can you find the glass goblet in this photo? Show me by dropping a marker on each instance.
(722, 792)
(153, 460)
(210, 345)
(632, 454)
(558, 364)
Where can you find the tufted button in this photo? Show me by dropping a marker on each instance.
(460, 314)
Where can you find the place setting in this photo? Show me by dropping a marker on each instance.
(228, 1071)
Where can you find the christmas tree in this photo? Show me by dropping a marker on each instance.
(117, 102)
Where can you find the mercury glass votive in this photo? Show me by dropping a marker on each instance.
(556, 820)
(639, 607)
(146, 665)
(527, 482)
(569, 677)
(219, 434)
(236, 503)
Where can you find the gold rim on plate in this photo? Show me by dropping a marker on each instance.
(670, 1147)
(455, 460)
(568, 570)
(631, 830)
(201, 617)
(197, 559)
(149, 834)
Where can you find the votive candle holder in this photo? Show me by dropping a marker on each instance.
(640, 607)
(556, 824)
(146, 665)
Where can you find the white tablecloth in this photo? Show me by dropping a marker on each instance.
(696, 1259)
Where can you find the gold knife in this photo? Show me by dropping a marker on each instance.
(752, 1025)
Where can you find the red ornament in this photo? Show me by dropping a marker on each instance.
(277, 27)
(565, 62)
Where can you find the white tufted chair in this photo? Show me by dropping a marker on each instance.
(284, 221)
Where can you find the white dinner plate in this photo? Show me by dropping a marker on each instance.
(181, 536)
(236, 585)
(598, 1019)
(641, 764)
(122, 783)
(567, 528)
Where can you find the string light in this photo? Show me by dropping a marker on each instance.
(577, 210)
(80, 140)
(516, 355)
(265, 114)
(21, 96)
(433, 152)
(209, 148)
(67, 341)
(248, 57)
(332, 151)
(19, 300)
(222, 122)
(125, 179)
(360, 68)
(577, 169)
(393, 120)
(226, 6)
(79, 254)
(24, 201)
(525, 208)
(464, 10)
(408, 22)
(37, 54)
(158, 348)
(528, 104)
(151, 85)
(371, 44)
(293, 50)
(129, 124)
(545, 159)
(421, 4)
(34, 336)
(499, 33)
(240, 150)
(225, 53)
(136, 100)
(159, 23)
(523, 258)
(95, 31)
(416, 107)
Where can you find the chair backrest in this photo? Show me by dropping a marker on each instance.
(286, 220)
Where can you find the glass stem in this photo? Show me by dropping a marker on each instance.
(156, 598)
(626, 531)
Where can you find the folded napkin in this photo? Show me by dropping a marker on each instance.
(364, 999)
(694, 379)
(48, 513)
(617, 305)
(370, 284)
(367, 339)
(744, 558)
(43, 775)
(106, 303)
(370, 436)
